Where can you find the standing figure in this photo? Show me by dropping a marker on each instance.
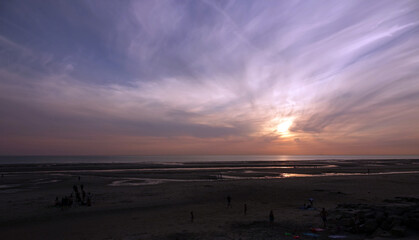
(245, 209)
(89, 201)
(192, 217)
(271, 217)
(83, 196)
(228, 201)
(76, 192)
(323, 215)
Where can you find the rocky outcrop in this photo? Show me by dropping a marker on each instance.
(392, 218)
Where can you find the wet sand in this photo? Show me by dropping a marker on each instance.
(154, 201)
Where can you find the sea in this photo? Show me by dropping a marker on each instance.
(189, 158)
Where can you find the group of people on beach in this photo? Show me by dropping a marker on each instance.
(271, 217)
(77, 196)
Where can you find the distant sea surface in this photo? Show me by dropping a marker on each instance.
(189, 158)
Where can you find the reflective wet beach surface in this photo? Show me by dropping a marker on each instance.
(18, 177)
(153, 195)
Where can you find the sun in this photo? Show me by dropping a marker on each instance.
(284, 125)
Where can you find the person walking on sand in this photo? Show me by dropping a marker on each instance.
(323, 215)
(271, 217)
(57, 202)
(245, 209)
(228, 201)
(192, 217)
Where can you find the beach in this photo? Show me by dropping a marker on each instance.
(155, 201)
(209, 120)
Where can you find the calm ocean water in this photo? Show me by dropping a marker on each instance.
(189, 158)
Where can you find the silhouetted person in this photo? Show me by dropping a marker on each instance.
(192, 217)
(228, 201)
(83, 195)
(311, 200)
(368, 172)
(89, 201)
(89, 198)
(79, 178)
(245, 209)
(81, 187)
(57, 202)
(271, 217)
(77, 194)
(76, 190)
(323, 215)
(63, 202)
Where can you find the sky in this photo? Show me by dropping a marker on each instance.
(209, 77)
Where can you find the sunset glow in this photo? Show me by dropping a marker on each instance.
(209, 77)
(284, 125)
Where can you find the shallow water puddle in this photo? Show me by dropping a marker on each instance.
(229, 176)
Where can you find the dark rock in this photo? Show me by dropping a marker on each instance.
(386, 224)
(412, 221)
(369, 226)
(398, 231)
(370, 215)
(347, 222)
(408, 199)
(345, 215)
(382, 233)
(379, 221)
(380, 217)
(396, 220)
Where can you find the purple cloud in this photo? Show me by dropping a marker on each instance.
(215, 71)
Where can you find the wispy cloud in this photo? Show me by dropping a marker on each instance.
(198, 76)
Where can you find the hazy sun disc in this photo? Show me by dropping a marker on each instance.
(284, 126)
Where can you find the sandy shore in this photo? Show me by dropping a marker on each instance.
(154, 201)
